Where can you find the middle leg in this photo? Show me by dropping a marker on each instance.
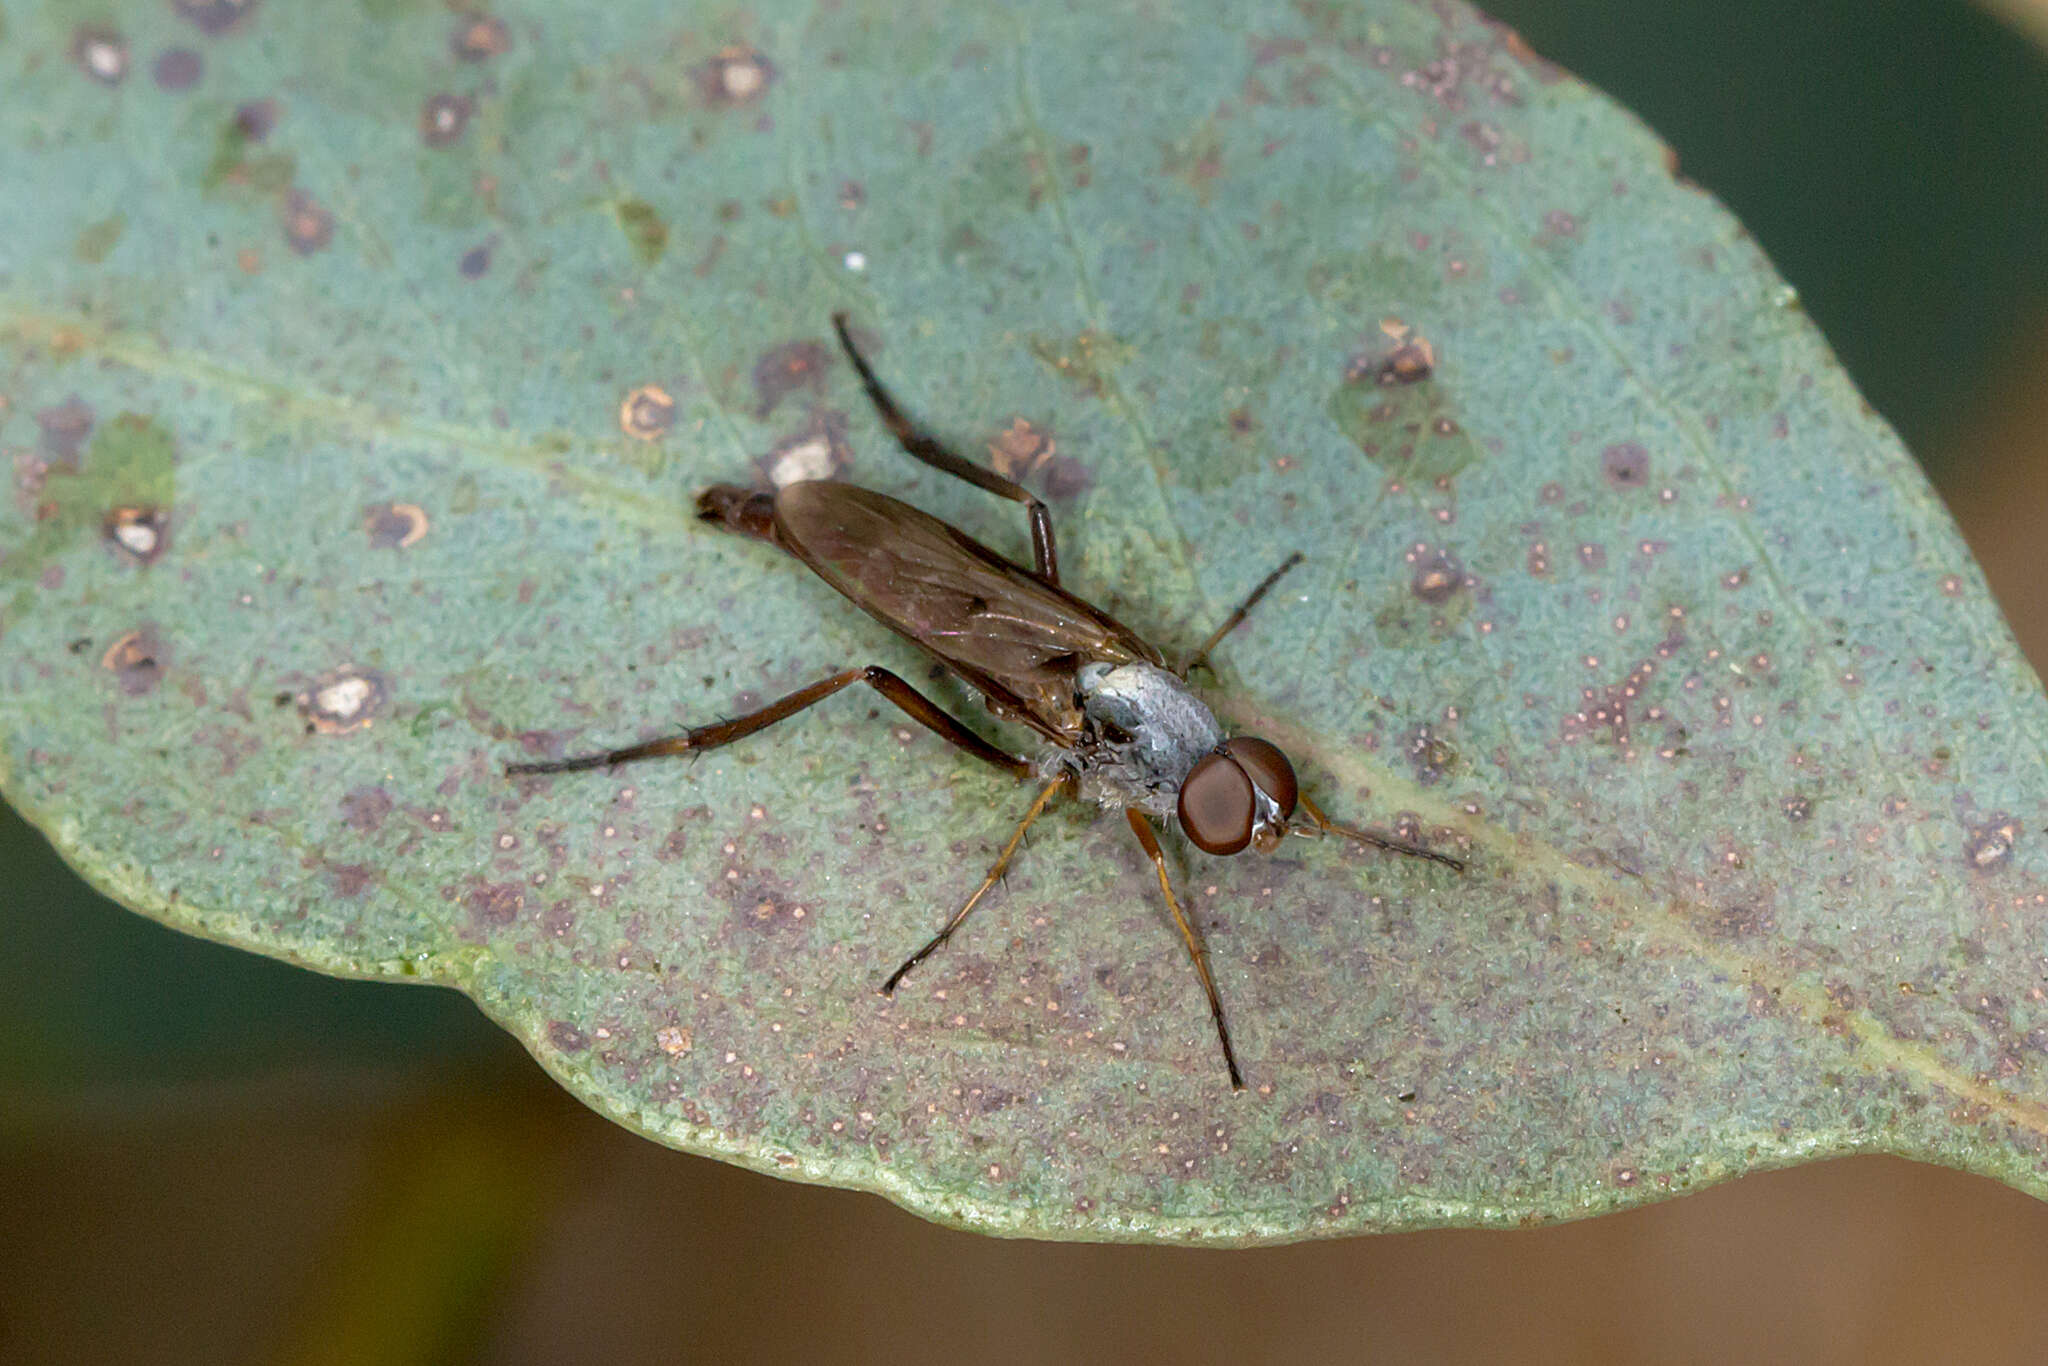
(1142, 828)
(995, 875)
(1244, 609)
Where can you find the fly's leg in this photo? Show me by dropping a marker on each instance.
(1231, 622)
(926, 447)
(995, 875)
(920, 708)
(1142, 828)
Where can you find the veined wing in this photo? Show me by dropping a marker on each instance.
(1016, 639)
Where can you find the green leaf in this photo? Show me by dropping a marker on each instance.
(358, 386)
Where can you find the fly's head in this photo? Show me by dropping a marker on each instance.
(1239, 795)
(1152, 743)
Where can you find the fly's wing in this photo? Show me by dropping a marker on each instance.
(1016, 639)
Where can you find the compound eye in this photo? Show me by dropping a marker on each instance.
(1216, 805)
(1269, 768)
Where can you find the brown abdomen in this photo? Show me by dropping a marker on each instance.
(741, 510)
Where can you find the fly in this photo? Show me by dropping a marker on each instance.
(1117, 723)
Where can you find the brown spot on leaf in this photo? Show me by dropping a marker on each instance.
(480, 37)
(1437, 576)
(736, 76)
(1412, 360)
(1065, 478)
(1626, 465)
(558, 920)
(215, 17)
(178, 69)
(1439, 79)
(1429, 755)
(647, 413)
(768, 913)
(255, 120)
(443, 117)
(1397, 420)
(1745, 920)
(363, 809)
(1605, 711)
(65, 428)
(100, 53)
(1990, 845)
(492, 904)
(343, 700)
(1021, 449)
(350, 879)
(139, 535)
(567, 1037)
(136, 660)
(1029, 455)
(395, 526)
(308, 226)
(785, 369)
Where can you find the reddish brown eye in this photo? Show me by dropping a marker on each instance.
(1216, 805)
(1268, 768)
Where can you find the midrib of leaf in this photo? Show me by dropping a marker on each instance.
(25, 324)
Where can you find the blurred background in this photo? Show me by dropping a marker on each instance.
(209, 1157)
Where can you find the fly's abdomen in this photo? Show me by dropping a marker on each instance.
(739, 509)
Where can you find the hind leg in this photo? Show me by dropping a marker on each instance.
(926, 447)
(915, 704)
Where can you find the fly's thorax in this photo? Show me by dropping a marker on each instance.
(1142, 730)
